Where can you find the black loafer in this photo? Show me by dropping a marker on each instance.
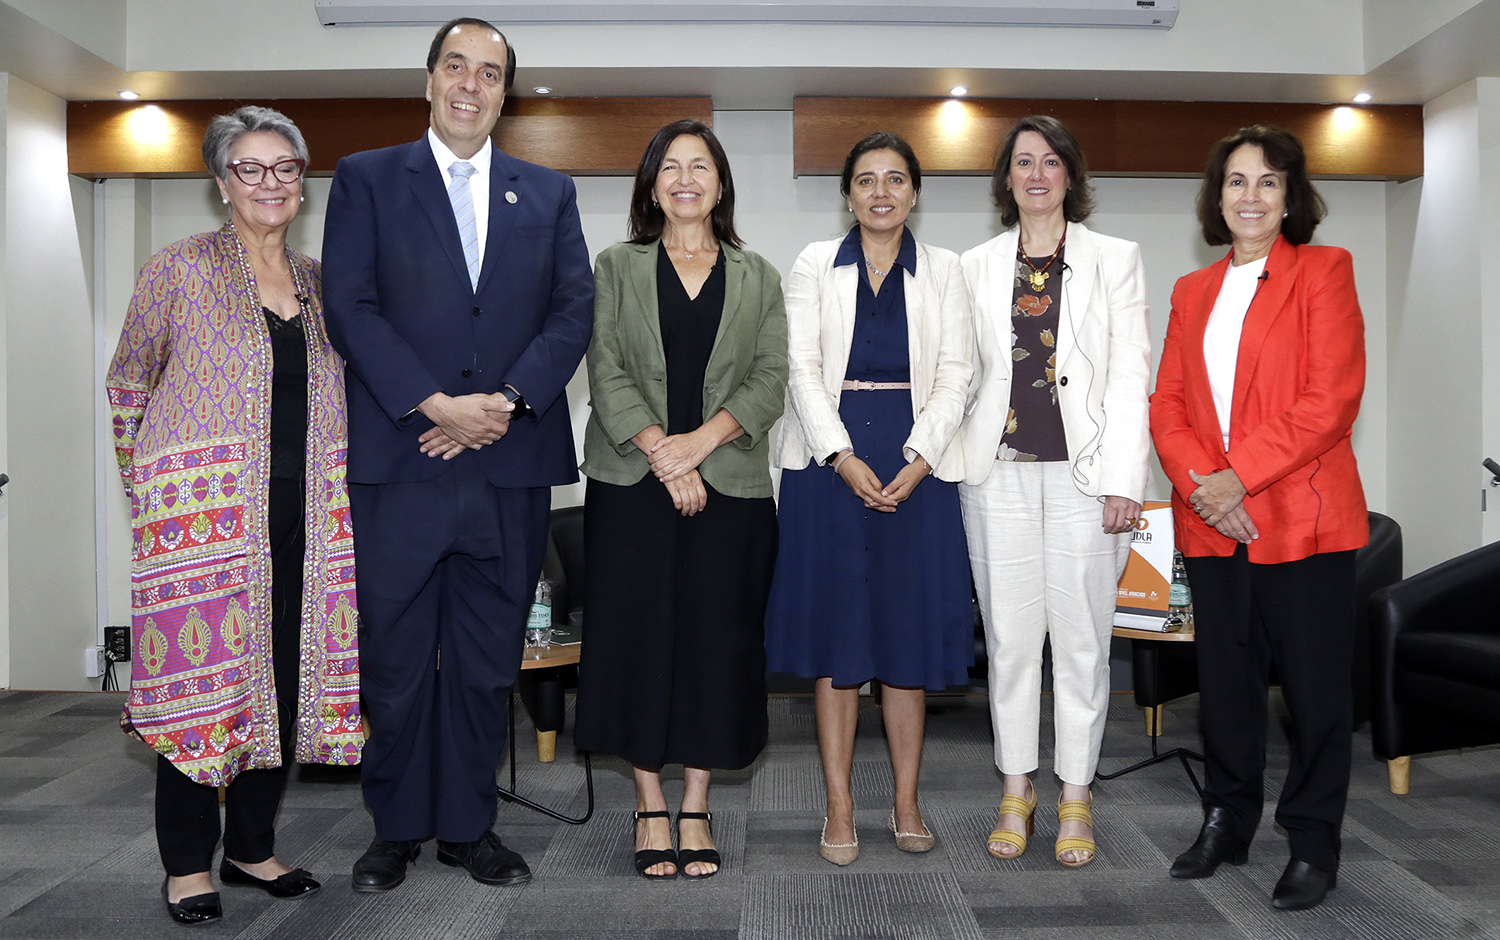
(487, 859)
(1216, 844)
(1302, 886)
(292, 884)
(383, 866)
(195, 910)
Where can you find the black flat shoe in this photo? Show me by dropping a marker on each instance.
(645, 858)
(686, 857)
(195, 910)
(383, 866)
(487, 860)
(292, 884)
(1215, 845)
(1302, 886)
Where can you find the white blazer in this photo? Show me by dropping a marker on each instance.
(820, 301)
(1103, 360)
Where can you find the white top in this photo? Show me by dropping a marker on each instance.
(1221, 337)
(479, 183)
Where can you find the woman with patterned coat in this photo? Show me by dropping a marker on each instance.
(230, 431)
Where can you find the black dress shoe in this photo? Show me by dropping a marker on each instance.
(383, 866)
(292, 884)
(1215, 845)
(487, 859)
(1302, 886)
(195, 910)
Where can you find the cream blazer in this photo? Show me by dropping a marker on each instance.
(820, 300)
(1103, 360)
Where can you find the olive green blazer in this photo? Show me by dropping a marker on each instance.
(627, 368)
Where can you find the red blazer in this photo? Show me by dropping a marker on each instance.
(1297, 385)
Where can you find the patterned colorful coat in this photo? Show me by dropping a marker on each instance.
(190, 387)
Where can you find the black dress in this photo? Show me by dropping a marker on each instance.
(673, 667)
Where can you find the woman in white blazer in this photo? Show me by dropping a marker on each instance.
(872, 577)
(1055, 443)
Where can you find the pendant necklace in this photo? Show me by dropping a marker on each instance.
(1038, 276)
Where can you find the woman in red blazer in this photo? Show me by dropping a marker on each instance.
(1259, 384)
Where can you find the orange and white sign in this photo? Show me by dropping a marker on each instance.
(1142, 603)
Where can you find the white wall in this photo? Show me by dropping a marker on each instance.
(1435, 349)
(4, 397)
(50, 403)
(1488, 101)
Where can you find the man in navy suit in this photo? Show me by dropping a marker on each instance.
(457, 288)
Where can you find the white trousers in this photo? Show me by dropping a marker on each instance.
(1044, 566)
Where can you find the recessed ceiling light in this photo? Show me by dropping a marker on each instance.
(958, 91)
(129, 95)
(543, 89)
(1362, 97)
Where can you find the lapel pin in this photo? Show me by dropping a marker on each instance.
(510, 197)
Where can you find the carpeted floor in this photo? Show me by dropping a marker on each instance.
(78, 855)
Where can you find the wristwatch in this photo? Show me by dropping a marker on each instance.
(521, 410)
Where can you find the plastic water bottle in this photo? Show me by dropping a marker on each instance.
(539, 623)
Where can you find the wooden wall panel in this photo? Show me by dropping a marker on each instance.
(583, 136)
(1121, 138)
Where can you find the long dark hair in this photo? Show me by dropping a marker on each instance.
(1283, 153)
(646, 218)
(1078, 202)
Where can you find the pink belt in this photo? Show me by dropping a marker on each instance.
(851, 385)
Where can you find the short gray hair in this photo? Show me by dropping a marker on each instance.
(225, 130)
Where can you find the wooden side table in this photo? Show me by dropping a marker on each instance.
(545, 691)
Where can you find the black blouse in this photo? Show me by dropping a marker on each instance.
(689, 326)
(288, 396)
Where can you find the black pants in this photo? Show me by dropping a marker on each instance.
(187, 813)
(1298, 616)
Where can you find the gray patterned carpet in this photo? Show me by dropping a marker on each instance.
(78, 857)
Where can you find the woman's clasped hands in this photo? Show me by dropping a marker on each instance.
(1219, 501)
(867, 486)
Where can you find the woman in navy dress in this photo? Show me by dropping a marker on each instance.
(872, 576)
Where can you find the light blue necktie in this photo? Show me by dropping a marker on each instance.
(463, 213)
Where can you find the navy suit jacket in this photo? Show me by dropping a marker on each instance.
(402, 313)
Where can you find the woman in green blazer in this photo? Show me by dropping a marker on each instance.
(687, 371)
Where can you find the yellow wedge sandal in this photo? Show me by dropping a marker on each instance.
(1013, 805)
(1076, 811)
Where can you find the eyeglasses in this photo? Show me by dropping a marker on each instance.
(253, 173)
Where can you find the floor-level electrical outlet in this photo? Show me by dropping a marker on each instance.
(93, 661)
(117, 644)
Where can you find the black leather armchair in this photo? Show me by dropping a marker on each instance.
(1165, 671)
(564, 565)
(1435, 657)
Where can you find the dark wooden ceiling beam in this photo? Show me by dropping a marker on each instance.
(163, 139)
(958, 137)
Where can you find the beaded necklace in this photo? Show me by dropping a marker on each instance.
(247, 270)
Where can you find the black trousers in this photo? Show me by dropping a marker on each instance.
(1298, 616)
(448, 564)
(187, 812)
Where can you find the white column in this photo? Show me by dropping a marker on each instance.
(1440, 243)
(49, 398)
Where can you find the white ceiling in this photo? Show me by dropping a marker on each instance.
(1268, 50)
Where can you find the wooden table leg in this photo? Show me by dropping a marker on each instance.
(1399, 771)
(1153, 719)
(546, 746)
